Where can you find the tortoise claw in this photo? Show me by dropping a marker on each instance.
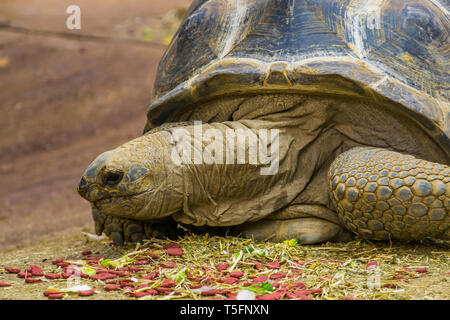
(117, 238)
(137, 237)
(127, 230)
(134, 231)
(99, 221)
(113, 225)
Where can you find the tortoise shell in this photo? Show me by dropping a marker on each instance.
(392, 51)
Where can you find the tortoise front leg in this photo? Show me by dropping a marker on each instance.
(381, 194)
(121, 230)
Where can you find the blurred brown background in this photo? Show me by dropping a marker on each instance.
(65, 99)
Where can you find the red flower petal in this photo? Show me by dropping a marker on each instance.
(298, 285)
(62, 264)
(272, 296)
(52, 276)
(318, 290)
(169, 283)
(12, 270)
(174, 251)
(371, 265)
(134, 269)
(86, 252)
(298, 296)
(236, 274)
(112, 287)
(55, 296)
(222, 266)
(32, 280)
(195, 286)
(93, 258)
(142, 286)
(258, 266)
(273, 265)
(230, 280)
(86, 292)
(103, 276)
(297, 271)
(55, 262)
(231, 296)
(205, 280)
(278, 275)
(211, 292)
(151, 276)
(421, 270)
(276, 284)
(260, 279)
(4, 284)
(290, 295)
(164, 290)
(150, 292)
(171, 245)
(36, 271)
(168, 265)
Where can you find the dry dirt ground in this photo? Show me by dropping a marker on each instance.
(67, 96)
(63, 101)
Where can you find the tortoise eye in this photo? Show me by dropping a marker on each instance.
(112, 178)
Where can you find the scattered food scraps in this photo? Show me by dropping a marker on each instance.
(220, 268)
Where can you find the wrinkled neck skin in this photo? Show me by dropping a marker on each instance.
(164, 195)
(231, 171)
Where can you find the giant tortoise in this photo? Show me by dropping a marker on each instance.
(349, 96)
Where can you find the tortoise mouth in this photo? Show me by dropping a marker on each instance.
(114, 200)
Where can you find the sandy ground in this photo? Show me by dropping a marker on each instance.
(64, 101)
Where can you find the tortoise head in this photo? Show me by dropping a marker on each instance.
(130, 181)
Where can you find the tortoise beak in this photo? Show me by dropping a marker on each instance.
(100, 178)
(82, 187)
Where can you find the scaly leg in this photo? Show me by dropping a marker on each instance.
(127, 230)
(381, 194)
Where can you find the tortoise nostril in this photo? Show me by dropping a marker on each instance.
(83, 184)
(111, 178)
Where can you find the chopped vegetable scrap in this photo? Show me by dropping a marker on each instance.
(203, 267)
